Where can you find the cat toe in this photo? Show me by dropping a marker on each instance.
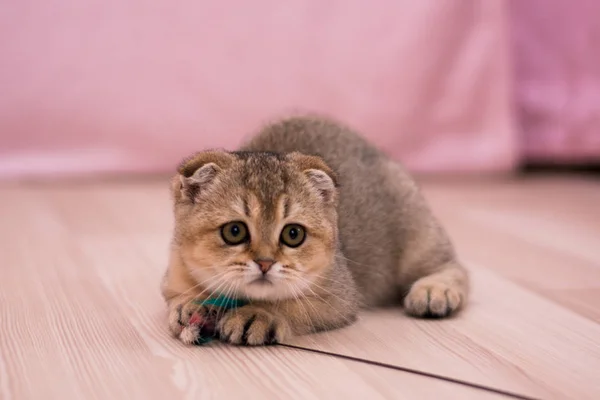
(433, 300)
(252, 326)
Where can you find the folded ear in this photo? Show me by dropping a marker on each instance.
(320, 176)
(198, 172)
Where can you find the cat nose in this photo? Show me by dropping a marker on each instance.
(265, 264)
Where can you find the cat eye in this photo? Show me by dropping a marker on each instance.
(235, 233)
(292, 235)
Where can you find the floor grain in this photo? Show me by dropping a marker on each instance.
(81, 315)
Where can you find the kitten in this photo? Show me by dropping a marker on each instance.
(309, 222)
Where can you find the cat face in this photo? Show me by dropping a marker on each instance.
(256, 225)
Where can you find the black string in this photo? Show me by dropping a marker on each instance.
(413, 371)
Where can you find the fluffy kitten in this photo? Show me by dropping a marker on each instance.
(309, 222)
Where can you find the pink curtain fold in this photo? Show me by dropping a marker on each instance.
(105, 86)
(557, 72)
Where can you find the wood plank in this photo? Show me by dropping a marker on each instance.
(81, 315)
(507, 338)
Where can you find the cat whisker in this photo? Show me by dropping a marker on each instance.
(220, 282)
(296, 294)
(309, 282)
(206, 280)
(308, 302)
(232, 288)
(323, 327)
(337, 282)
(349, 260)
(218, 277)
(200, 284)
(327, 292)
(218, 287)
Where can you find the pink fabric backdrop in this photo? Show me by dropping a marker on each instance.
(132, 86)
(557, 57)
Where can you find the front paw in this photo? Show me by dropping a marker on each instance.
(432, 299)
(253, 326)
(191, 322)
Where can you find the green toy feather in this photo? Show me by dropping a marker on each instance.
(219, 301)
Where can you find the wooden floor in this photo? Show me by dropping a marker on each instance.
(81, 315)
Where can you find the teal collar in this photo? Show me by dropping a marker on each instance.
(222, 302)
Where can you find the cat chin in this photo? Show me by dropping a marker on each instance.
(269, 291)
(262, 292)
